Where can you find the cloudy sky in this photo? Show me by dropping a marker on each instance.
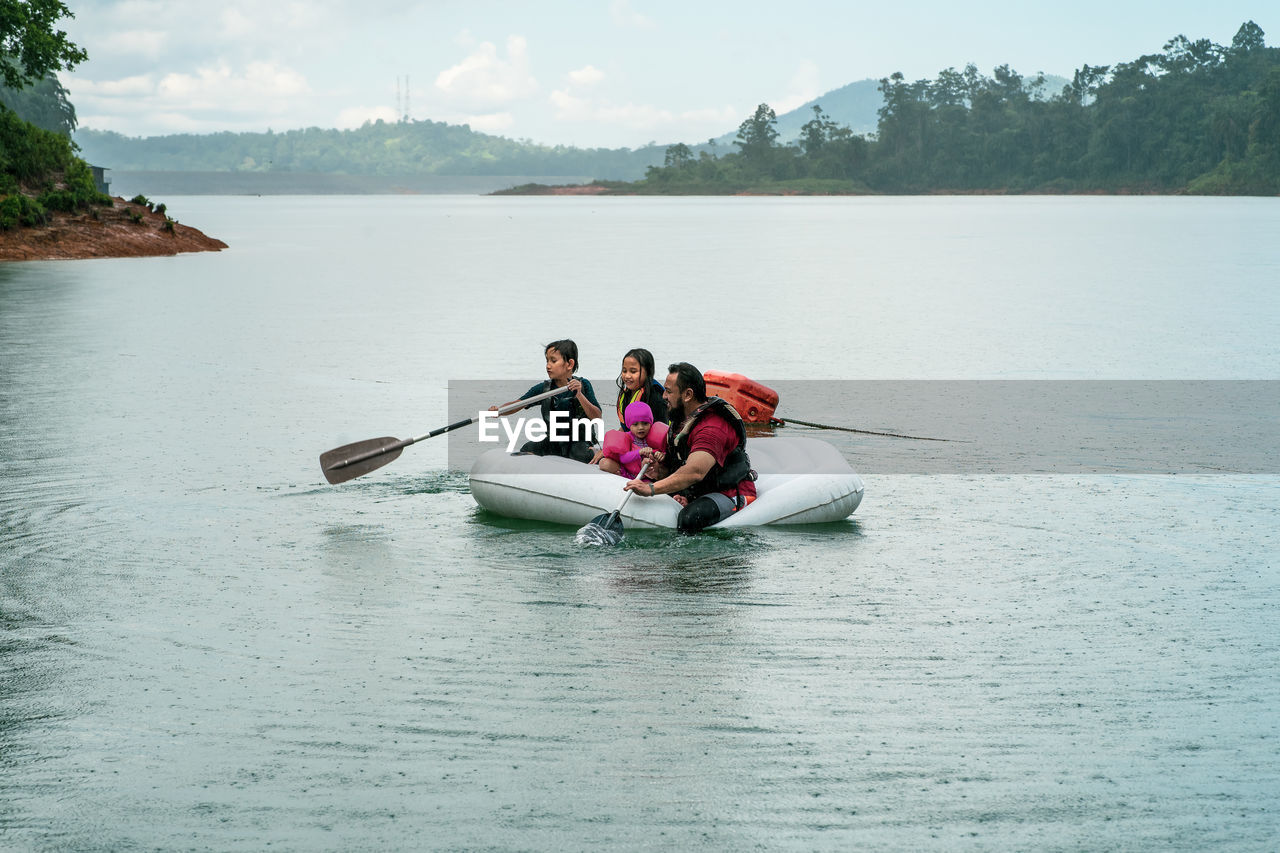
(591, 73)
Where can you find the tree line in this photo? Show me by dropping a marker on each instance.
(1196, 117)
(376, 148)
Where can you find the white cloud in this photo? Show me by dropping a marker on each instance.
(484, 78)
(221, 88)
(498, 122)
(212, 98)
(127, 123)
(628, 18)
(804, 87)
(570, 107)
(146, 43)
(236, 24)
(142, 84)
(182, 122)
(356, 116)
(639, 116)
(645, 117)
(586, 76)
(271, 79)
(489, 123)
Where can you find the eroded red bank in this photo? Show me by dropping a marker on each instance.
(124, 231)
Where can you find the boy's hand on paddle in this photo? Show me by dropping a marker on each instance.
(636, 486)
(575, 385)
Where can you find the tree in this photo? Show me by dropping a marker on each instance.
(44, 104)
(678, 156)
(1248, 37)
(1083, 88)
(30, 44)
(1183, 54)
(817, 132)
(757, 134)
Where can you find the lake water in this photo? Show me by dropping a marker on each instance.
(206, 647)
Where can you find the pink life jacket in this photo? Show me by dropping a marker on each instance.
(620, 446)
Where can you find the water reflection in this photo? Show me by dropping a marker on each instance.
(714, 562)
(714, 574)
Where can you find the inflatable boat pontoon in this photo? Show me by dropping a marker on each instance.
(801, 481)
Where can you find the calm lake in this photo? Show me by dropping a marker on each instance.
(204, 646)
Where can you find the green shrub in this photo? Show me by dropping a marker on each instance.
(32, 156)
(9, 212)
(142, 200)
(80, 190)
(19, 209)
(28, 153)
(63, 200)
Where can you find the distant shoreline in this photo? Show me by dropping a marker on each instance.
(611, 188)
(164, 184)
(127, 182)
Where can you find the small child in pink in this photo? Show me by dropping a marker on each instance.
(625, 452)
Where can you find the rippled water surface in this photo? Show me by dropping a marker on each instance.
(205, 647)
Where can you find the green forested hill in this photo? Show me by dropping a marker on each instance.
(402, 148)
(1197, 117)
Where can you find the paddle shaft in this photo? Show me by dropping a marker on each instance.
(626, 496)
(396, 446)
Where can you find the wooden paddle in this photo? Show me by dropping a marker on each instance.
(358, 458)
(606, 528)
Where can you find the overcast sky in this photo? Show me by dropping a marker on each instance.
(609, 73)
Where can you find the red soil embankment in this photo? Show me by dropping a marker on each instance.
(104, 232)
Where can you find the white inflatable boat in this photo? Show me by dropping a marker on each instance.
(801, 481)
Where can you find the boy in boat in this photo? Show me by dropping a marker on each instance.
(706, 448)
(579, 402)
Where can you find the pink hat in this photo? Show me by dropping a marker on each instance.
(637, 413)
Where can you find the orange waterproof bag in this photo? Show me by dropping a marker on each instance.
(755, 402)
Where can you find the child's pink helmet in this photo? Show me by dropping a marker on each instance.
(637, 413)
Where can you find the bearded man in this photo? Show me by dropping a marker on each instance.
(711, 473)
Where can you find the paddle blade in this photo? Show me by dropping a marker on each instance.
(605, 530)
(353, 460)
